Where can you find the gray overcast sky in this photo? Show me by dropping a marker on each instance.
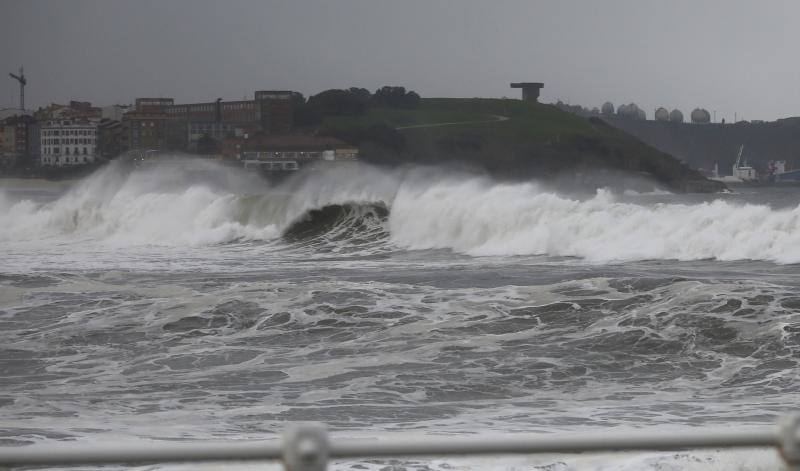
(725, 55)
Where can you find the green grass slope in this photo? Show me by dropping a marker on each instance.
(510, 139)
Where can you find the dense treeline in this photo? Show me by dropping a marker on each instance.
(349, 102)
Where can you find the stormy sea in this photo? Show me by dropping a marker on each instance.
(193, 301)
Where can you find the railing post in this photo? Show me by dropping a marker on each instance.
(790, 442)
(306, 447)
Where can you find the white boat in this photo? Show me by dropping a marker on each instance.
(742, 172)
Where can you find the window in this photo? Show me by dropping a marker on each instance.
(84, 153)
(66, 151)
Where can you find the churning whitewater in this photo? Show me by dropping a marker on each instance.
(193, 301)
(426, 210)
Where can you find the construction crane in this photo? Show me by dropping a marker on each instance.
(22, 82)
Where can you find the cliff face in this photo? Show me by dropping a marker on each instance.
(702, 145)
(512, 139)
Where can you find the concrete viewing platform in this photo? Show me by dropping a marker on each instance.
(530, 90)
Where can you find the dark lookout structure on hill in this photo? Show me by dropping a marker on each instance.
(530, 90)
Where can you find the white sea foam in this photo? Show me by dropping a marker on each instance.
(474, 216)
(479, 218)
(758, 460)
(656, 192)
(165, 206)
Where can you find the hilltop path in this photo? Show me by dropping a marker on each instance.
(495, 118)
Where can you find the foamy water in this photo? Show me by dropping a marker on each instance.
(192, 301)
(468, 215)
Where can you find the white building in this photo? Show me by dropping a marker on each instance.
(68, 142)
(114, 112)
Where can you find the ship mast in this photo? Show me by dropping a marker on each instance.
(739, 157)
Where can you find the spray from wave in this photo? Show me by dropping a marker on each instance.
(409, 209)
(189, 203)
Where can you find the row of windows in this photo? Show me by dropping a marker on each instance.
(196, 108)
(282, 155)
(67, 160)
(238, 106)
(194, 128)
(73, 141)
(136, 133)
(76, 151)
(69, 132)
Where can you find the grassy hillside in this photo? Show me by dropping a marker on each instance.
(509, 139)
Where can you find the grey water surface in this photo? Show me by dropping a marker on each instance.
(135, 311)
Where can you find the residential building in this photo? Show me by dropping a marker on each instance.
(114, 112)
(8, 154)
(288, 152)
(34, 143)
(275, 111)
(20, 125)
(74, 110)
(15, 139)
(153, 105)
(67, 142)
(8, 144)
(173, 126)
(111, 139)
(146, 126)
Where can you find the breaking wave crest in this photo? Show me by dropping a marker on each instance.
(169, 205)
(417, 209)
(340, 222)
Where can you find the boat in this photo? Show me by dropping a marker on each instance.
(741, 171)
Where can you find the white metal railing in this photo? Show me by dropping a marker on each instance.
(307, 447)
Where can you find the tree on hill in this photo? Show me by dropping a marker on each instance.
(333, 102)
(361, 94)
(339, 102)
(394, 97)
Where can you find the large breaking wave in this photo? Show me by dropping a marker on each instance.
(417, 209)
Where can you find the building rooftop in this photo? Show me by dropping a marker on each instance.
(294, 142)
